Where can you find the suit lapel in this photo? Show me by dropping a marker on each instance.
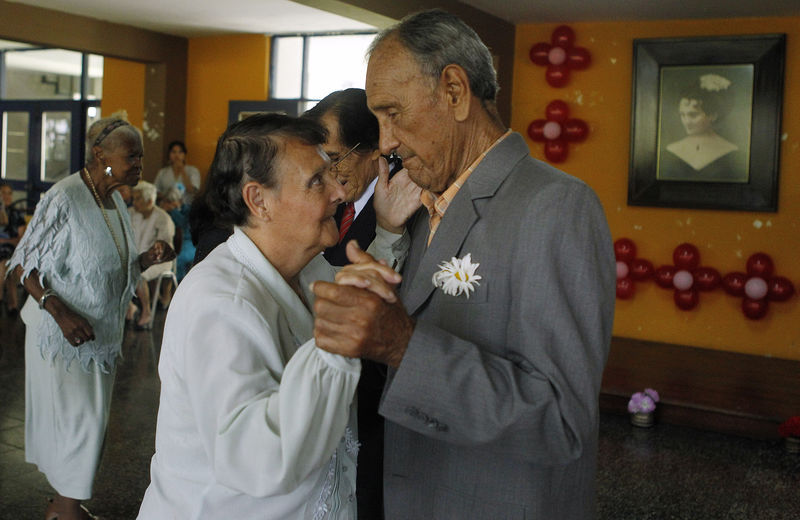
(450, 235)
(458, 220)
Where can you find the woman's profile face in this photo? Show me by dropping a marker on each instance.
(694, 118)
(126, 159)
(304, 202)
(177, 155)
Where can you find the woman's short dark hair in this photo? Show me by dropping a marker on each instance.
(356, 123)
(248, 151)
(179, 144)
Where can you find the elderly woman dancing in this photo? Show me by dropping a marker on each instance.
(78, 262)
(255, 421)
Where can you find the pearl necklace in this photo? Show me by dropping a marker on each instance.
(108, 222)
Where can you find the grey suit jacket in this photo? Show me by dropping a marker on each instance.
(493, 412)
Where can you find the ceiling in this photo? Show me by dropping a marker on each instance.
(206, 17)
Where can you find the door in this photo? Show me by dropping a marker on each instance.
(41, 143)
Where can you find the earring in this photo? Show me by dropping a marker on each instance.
(108, 171)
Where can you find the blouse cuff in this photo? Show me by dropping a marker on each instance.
(340, 363)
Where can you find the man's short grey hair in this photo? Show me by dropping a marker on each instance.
(147, 190)
(437, 39)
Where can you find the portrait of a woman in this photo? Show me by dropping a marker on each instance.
(703, 152)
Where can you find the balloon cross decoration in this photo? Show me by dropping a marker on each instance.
(629, 268)
(758, 286)
(686, 277)
(557, 130)
(560, 56)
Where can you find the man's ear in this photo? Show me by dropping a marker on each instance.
(256, 199)
(455, 82)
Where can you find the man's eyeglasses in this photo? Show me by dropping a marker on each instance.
(335, 164)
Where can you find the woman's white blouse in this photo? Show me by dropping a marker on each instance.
(69, 243)
(254, 421)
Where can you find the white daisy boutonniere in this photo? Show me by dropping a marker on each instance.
(457, 276)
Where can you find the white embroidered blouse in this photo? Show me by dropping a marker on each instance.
(254, 420)
(69, 243)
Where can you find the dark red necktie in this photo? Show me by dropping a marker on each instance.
(347, 219)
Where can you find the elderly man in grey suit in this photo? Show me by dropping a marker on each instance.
(497, 344)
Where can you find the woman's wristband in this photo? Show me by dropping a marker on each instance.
(45, 295)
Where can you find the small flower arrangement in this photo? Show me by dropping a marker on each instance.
(714, 82)
(457, 276)
(643, 402)
(790, 427)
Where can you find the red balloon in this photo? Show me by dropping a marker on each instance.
(536, 129)
(575, 130)
(706, 278)
(625, 288)
(539, 53)
(557, 75)
(686, 299)
(780, 289)
(640, 269)
(579, 58)
(733, 283)
(557, 111)
(624, 250)
(686, 256)
(754, 309)
(664, 275)
(555, 150)
(760, 264)
(563, 36)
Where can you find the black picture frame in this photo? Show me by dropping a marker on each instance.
(656, 177)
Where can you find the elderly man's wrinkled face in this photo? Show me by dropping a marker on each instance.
(355, 170)
(413, 116)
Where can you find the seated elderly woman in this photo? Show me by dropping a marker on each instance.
(150, 223)
(254, 420)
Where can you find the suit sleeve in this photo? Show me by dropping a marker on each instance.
(535, 395)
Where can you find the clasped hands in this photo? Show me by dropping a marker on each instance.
(360, 315)
(158, 253)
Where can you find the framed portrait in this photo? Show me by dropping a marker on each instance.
(705, 122)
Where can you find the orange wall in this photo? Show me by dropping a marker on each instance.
(123, 89)
(601, 95)
(221, 69)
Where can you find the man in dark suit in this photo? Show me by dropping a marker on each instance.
(352, 146)
(497, 347)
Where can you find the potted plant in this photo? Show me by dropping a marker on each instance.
(642, 406)
(790, 431)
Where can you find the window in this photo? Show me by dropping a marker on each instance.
(309, 67)
(31, 72)
(48, 97)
